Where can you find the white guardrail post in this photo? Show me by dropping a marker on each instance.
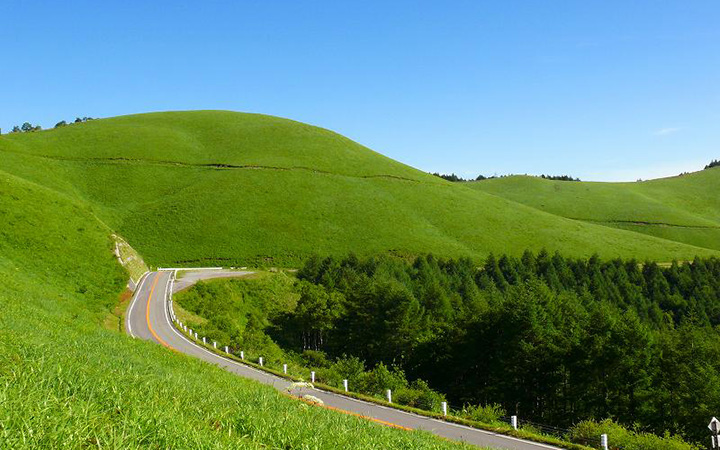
(513, 422)
(604, 441)
(388, 392)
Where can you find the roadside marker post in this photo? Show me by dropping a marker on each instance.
(242, 354)
(214, 344)
(604, 441)
(204, 340)
(285, 369)
(714, 427)
(227, 350)
(261, 361)
(196, 336)
(513, 422)
(345, 385)
(389, 396)
(443, 405)
(312, 377)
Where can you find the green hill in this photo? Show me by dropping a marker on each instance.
(224, 187)
(213, 187)
(683, 209)
(66, 382)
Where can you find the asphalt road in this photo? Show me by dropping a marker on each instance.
(186, 279)
(148, 318)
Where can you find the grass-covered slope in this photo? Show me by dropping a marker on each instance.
(683, 209)
(235, 189)
(66, 382)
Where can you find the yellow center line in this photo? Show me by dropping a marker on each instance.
(147, 314)
(350, 413)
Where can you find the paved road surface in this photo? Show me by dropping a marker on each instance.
(187, 279)
(149, 319)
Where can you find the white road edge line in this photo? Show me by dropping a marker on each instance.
(183, 337)
(268, 375)
(138, 288)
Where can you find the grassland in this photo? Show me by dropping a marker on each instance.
(241, 189)
(227, 188)
(682, 209)
(66, 382)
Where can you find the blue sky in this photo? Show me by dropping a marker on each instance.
(602, 90)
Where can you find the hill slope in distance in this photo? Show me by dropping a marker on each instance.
(683, 209)
(214, 187)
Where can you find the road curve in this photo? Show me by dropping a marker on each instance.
(148, 319)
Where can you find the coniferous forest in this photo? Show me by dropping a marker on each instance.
(552, 339)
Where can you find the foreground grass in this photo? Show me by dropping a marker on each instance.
(81, 387)
(231, 189)
(65, 382)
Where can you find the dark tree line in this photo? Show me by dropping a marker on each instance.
(454, 178)
(559, 177)
(63, 123)
(28, 127)
(555, 339)
(713, 163)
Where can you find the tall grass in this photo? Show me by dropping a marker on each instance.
(65, 382)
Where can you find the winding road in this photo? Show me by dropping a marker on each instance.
(148, 318)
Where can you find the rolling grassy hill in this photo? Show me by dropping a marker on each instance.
(213, 187)
(683, 209)
(66, 382)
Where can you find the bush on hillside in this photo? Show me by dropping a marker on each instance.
(26, 127)
(619, 437)
(419, 395)
(486, 414)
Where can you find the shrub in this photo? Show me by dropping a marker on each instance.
(486, 414)
(419, 395)
(589, 431)
(314, 358)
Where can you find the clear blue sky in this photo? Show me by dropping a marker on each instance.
(603, 90)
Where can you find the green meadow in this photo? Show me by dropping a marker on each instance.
(683, 209)
(195, 188)
(67, 382)
(226, 188)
